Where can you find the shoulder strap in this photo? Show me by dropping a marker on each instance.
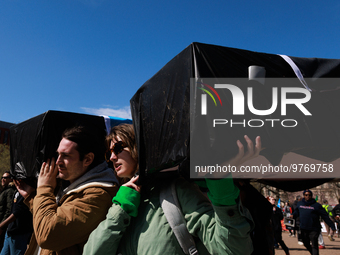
(173, 213)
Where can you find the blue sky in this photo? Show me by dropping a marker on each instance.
(91, 56)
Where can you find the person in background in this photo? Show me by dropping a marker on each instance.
(277, 216)
(336, 215)
(19, 227)
(137, 217)
(310, 212)
(297, 220)
(321, 242)
(328, 209)
(287, 211)
(6, 200)
(63, 222)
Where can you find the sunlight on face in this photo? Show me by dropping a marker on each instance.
(69, 166)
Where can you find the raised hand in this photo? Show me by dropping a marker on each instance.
(132, 184)
(240, 158)
(23, 188)
(252, 152)
(48, 174)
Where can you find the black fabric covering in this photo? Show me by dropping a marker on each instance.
(161, 109)
(36, 140)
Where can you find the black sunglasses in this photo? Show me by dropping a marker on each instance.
(6, 177)
(117, 148)
(308, 195)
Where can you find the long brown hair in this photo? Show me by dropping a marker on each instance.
(126, 133)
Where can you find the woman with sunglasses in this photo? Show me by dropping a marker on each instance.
(123, 151)
(136, 224)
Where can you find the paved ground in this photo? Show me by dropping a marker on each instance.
(332, 248)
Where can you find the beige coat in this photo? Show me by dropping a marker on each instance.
(63, 227)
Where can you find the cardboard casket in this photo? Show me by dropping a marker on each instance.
(35, 140)
(172, 132)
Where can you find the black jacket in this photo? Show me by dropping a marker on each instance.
(6, 200)
(23, 223)
(277, 216)
(310, 213)
(336, 211)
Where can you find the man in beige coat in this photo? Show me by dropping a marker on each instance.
(62, 223)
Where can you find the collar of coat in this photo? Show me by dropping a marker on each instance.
(99, 176)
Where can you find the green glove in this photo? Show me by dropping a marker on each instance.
(222, 191)
(128, 199)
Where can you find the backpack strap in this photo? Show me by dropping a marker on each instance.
(173, 213)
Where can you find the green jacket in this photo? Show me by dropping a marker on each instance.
(218, 229)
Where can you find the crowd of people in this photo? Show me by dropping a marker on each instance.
(82, 206)
(79, 206)
(307, 213)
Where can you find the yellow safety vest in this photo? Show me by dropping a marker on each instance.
(326, 208)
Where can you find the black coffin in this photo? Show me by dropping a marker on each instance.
(36, 140)
(161, 108)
